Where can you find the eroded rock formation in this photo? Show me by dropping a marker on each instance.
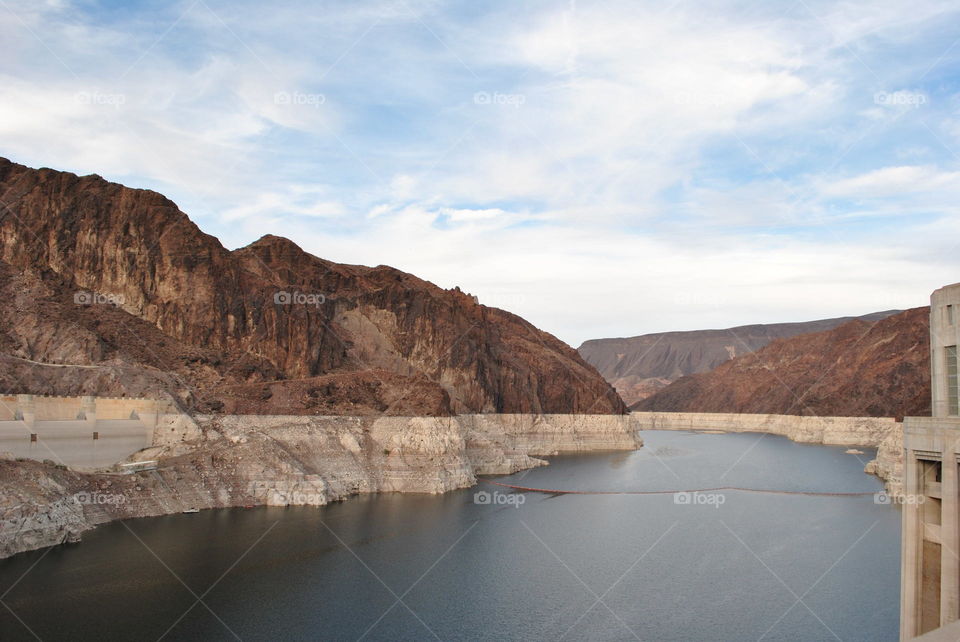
(263, 329)
(872, 369)
(639, 367)
(218, 461)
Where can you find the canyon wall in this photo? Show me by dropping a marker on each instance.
(859, 369)
(107, 290)
(640, 366)
(883, 433)
(218, 461)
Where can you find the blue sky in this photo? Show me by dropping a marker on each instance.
(602, 168)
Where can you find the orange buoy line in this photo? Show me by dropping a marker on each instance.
(551, 491)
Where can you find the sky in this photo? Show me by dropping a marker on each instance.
(600, 167)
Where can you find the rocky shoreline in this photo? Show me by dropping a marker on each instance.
(883, 433)
(247, 460)
(222, 461)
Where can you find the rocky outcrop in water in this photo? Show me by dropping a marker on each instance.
(889, 464)
(122, 286)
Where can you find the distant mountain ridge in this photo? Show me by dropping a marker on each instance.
(861, 368)
(640, 366)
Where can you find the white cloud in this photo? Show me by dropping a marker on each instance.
(582, 283)
(291, 203)
(612, 182)
(894, 181)
(470, 216)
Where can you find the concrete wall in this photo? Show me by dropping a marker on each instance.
(948, 633)
(8, 407)
(71, 443)
(30, 408)
(57, 408)
(930, 567)
(943, 333)
(62, 429)
(114, 408)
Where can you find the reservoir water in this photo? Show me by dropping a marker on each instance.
(502, 565)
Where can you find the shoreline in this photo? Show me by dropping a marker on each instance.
(236, 461)
(229, 461)
(883, 433)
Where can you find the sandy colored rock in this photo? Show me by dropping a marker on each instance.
(240, 460)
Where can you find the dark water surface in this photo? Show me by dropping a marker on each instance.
(572, 567)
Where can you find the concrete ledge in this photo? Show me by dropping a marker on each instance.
(31, 408)
(948, 633)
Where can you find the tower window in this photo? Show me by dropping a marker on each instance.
(953, 392)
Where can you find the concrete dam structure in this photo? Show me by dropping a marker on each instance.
(79, 432)
(930, 571)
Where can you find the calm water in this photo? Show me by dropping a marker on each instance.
(576, 567)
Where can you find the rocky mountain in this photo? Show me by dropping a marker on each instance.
(640, 366)
(110, 290)
(861, 368)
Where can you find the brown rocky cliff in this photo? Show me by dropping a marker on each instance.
(640, 366)
(204, 320)
(861, 368)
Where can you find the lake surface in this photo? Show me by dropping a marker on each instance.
(736, 566)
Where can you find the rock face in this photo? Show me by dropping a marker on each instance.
(889, 462)
(38, 506)
(872, 369)
(638, 367)
(264, 329)
(221, 461)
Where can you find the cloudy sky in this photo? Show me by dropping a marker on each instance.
(603, 168)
